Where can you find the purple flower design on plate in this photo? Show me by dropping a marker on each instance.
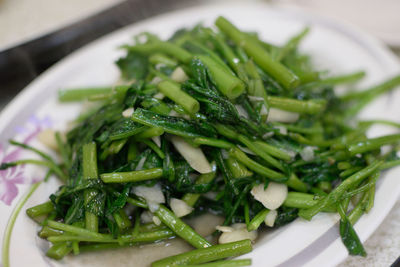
(10, 178)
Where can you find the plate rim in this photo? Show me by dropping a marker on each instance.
(14, 106)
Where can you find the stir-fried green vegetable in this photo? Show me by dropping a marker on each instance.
(212, 121)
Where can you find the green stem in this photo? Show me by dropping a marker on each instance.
(226, 131)
(122, 219)
(363, 98)
(149, 133)
(180, 228)
(226, 51)
(47, 232)
(75, 248)
(359, 209)
(59, 251)
(162, 59)
(238, 169)
(136, 203)
(390, 164)
(41, 209)
(156, 105)
(258, 220)
(295, 183)
(304, 201)
(65, 150)
(76, 230)
(113, 148)
(256, 149)
(258, 54)
(344, 165)
(336, 194)
(246, 213)
(148, 237)
(132, 151)
(226, 82)
(372, 144)
(274, 151)
(384, 122)
(210, 53)
(350, 171)
(126, 134)
(212, 142)
(89, 162)
(54, 168)
(133, 176)
(225, 263)
(374, 91)
(11, 222)
(154, 147)
(325, 186)
(341, 79)
(315, 130)
(299, 106)
(191, 198)
(292, 44)
(80, 94)
(255, 166)
(204, 255)
(371, 191)
(103, 246)
(163, 47)
(173, 91)
(28, 147)
(255, 85)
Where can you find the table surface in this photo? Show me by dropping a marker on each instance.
(41, 17)
(383, 247)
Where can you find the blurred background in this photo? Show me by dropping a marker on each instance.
(36, 34)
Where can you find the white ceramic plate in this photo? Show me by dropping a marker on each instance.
(334, 46)
(385, 23)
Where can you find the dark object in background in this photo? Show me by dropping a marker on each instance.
(21, 64)
(396, 263)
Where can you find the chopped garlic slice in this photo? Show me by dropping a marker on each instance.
(127, 113)
(48, 138)
(180, 207)
(157, 140)
(279, 115)
(153, 194)
(307, 154)
(193, 155)
(238, 232)
(272, 197)
(179, 75)
(271, 217)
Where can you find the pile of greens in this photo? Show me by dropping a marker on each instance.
(211, 111)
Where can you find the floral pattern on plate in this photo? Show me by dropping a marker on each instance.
(11, 177)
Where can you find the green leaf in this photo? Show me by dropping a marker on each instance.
(152, 161)
(96, 204)
(173, 125)
(182, 171)
(214, 106)
(125, 128)
(350, 238)
(285, 216)
(133, 66)
(120, 201)
(168, 163)
(76, 211)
